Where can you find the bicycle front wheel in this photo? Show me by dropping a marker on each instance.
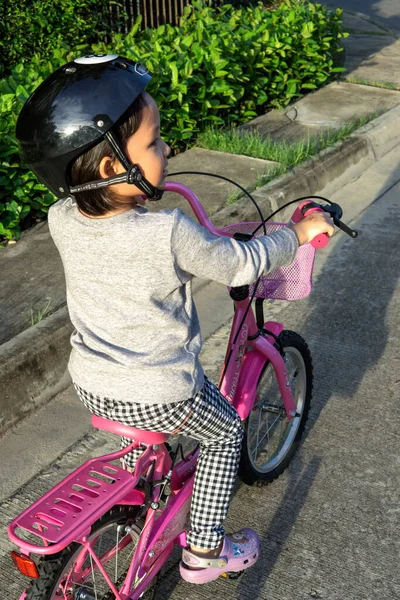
(271, 439)
(72, 574)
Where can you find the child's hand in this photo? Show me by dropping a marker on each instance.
(313, 225)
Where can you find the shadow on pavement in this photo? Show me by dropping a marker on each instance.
(274, 538)
(346, 326)
(386, 13)
(347, 331)
(372, 51)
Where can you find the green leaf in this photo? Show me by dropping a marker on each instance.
(188, 41)
(174, 69)
(21, 92)
(291, 87)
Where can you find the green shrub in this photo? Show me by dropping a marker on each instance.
(218, 67)
(39, 25)
(22, 198)
(229, 65)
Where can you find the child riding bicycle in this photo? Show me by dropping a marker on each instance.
(91, 133)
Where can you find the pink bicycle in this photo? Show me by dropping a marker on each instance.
(103, 532)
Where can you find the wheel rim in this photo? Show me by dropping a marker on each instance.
(270, 434)
(82, 578)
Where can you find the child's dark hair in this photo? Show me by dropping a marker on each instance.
(86, 167)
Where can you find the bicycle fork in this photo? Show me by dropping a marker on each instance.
(248, 351)
(275, 358)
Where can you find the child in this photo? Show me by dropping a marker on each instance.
(91, 133)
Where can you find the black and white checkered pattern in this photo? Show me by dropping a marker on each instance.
(207, 417)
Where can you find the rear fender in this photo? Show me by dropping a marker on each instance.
(133, 498)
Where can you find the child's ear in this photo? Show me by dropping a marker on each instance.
(109, 167)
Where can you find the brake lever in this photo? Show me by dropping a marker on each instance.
(305, 208)
(333, 209)
(346, 229)
(336, 213)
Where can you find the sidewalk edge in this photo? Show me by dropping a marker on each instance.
(33, 367)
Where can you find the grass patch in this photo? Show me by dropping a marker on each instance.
(387, 85)
(273, 173)
(39, 315)
(287, 154)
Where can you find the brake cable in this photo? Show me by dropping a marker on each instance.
(230, 181)
(292, 202)
(262, 224)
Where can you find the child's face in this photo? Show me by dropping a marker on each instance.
(146, 149)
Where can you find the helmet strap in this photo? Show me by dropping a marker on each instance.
(113, 141)
(132, 176)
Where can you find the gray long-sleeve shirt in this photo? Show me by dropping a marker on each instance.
(128, 277)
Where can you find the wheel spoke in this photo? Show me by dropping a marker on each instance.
(258, 429)
(93, 576)
(271, 435)
(116, 557)
(112, 547)
(267, 432)
(294, 377)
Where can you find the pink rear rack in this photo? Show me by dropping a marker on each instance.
(67, 511)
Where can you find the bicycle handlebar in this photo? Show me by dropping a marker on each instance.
(197, 207)
(306, 208)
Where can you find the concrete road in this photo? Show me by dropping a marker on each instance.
(372, 50)
(329, 526)
(386, 12)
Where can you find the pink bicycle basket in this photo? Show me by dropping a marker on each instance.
(292, 282)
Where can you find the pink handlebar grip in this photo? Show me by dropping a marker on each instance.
(321, 240)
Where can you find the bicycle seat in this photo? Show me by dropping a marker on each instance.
(139, 435)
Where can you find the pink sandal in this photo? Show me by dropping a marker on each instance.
(239, 551)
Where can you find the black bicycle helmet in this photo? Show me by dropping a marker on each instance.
(73, 110)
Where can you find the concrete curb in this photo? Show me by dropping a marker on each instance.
(33, 364)
(342, 163)
(33, 367)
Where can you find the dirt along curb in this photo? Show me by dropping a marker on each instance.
(33, 363)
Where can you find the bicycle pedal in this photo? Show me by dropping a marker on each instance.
(232, 575)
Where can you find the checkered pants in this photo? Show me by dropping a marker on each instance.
(207, 417)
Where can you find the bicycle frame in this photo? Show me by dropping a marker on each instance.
(248, 351)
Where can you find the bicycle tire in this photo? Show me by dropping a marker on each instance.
(269, 402)
(52, 569)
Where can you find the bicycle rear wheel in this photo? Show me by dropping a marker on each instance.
(72, 574)
(270, 439)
